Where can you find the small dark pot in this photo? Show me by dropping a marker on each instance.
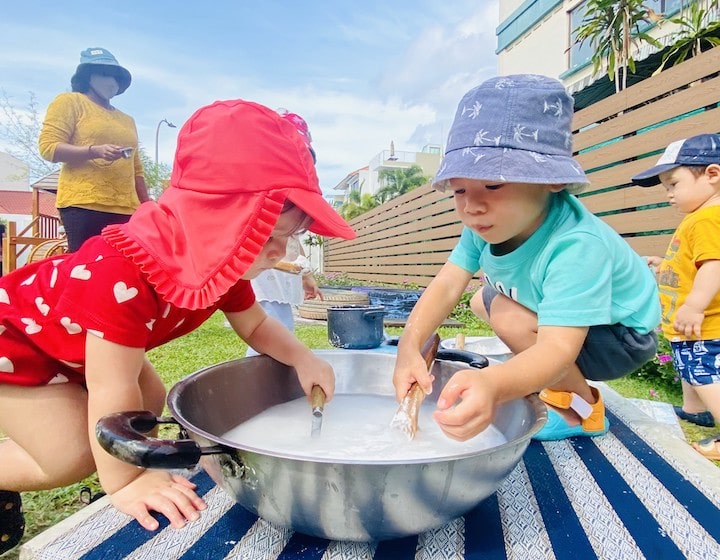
(355, 326)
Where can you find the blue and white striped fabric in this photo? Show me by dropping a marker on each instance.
(612, 497)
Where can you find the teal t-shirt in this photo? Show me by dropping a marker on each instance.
(575, 270)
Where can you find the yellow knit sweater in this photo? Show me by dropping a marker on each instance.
(96, 184)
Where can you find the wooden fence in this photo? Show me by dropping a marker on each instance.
(408, 239)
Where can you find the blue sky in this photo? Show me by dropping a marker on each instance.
(361, 73)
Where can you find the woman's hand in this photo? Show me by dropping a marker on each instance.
(156, 490)
(108, 152)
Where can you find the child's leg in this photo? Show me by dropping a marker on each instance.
(692, 402)
(693, 409)
(709, 397)
(152, 388)
(517, 327)
(47, 432)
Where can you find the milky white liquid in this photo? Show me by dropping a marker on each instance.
(354, 428)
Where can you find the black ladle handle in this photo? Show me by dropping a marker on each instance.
(470, 358)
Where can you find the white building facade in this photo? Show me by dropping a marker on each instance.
(537, 36)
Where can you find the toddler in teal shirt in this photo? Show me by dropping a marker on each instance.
(564, 291)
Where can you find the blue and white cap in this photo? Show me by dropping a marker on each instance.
(699, 150)
(513, 129)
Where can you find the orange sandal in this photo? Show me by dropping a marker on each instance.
(593, 418)
(707, 448)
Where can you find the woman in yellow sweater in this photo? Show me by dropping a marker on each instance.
(101, 181)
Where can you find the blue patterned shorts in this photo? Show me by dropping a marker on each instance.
(697, 361)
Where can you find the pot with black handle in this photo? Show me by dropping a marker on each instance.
(356, 327)
(353, 499)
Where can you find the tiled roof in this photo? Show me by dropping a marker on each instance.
(20, 202)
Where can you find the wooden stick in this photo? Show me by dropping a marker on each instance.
(406, 418)
(288, 267)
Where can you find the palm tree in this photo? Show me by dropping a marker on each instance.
(313, 240)
(398, 181)
(357, 204)
(613, 27)
(697, 34)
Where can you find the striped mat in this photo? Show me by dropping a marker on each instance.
(612, 497)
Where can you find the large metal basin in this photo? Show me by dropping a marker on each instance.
(356, 500)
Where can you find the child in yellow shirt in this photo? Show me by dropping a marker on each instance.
(689, 275)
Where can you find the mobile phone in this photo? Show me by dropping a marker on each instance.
(127, 152)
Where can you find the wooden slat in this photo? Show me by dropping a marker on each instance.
(706, 64)
(650, 245)
(685, 101)
(621, 199)
(619, 174)
(657, 139)
(644, 221)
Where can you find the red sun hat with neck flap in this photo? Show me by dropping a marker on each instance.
(236, 164)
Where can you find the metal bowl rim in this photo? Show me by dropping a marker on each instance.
(537, 407)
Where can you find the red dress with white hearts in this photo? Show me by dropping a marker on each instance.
(47, 308)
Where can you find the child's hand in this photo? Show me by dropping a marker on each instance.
(476, 408)
(410, 367)
(316, 371)
(653, 262)
(157, 490)
(688, 321)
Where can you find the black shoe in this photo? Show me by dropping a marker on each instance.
(704, 419)
(87, 497)
(12, 521)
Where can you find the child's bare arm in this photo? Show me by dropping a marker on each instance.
(479, 392)
(433, 307)
(269, 336)
(112, 375)
(690, 315)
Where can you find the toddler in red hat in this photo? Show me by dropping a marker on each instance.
(74, 329)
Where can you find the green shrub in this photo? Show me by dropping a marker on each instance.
(462, 311)
(335, 280)
(660, 369)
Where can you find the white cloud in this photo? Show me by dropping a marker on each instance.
(361, 75)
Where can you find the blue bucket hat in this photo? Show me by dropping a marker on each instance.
(513, 129)
(95, 57)
(703, 149)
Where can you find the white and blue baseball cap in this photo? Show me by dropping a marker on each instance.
(703, 149)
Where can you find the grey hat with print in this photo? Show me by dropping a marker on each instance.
(513, 129)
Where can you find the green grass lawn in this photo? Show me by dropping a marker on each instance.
(214, 343)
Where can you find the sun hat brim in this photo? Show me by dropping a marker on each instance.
(122, 75)
(326, 220)
(508, 165)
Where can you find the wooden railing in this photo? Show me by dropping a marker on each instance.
(409, 238)
(41, 229)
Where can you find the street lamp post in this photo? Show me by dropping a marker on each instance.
(157, 135)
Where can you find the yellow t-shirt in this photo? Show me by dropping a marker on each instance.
(96, 184)
(697, 239)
